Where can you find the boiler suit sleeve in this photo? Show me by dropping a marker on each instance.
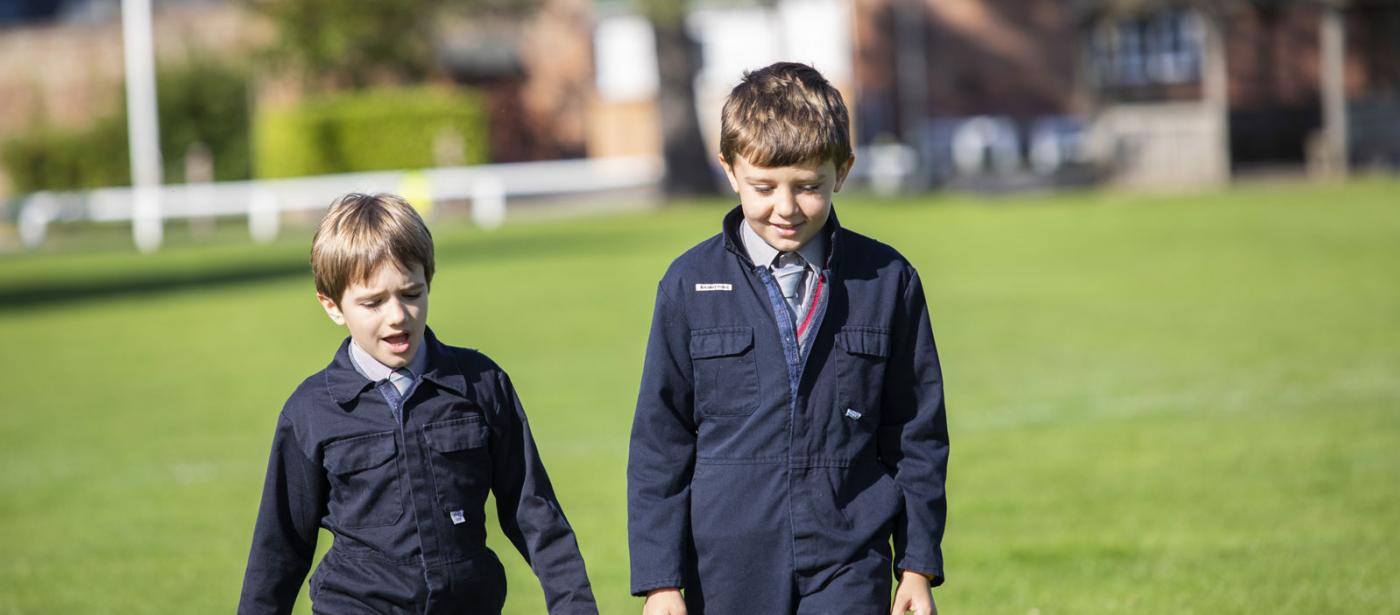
(284, 538)
(661, 457)
(914, 437)
(529, 512)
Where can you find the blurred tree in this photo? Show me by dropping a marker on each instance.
(204, 104)
(337, 45)
(678, 59)
(334, 44)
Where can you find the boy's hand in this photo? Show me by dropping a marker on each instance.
(913, 594)
(666, 601)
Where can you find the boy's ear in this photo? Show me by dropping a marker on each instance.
(728, 173)
(842, 171)
(332, 309)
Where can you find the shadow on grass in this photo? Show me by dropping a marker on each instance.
(33, 295)
(171, 276)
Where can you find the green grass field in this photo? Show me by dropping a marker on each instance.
(1158, 405)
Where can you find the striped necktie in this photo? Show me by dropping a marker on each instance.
(790, 271)
(401, 379)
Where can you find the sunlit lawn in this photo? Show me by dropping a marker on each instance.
(1158, 405)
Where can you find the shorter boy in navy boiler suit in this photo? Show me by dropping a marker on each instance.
(791, 419)
(394, 446)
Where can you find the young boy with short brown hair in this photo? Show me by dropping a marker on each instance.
(791, 421)
(394, 446)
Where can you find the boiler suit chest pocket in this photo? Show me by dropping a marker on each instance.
(726, 373)
(461, 462)
(864, 354)
(364, 481)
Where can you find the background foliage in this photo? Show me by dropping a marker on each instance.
(369, 131)
(332, 47)
(204, 101)
(54, 158)
(377, 43)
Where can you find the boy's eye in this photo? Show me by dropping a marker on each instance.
(763, 189)
(810, 188)
(370, 304)
(413, 295)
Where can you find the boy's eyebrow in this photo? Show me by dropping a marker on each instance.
(820, 177)
(378, 294)
(372, 294)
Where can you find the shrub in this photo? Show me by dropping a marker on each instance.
(368, 131)
(49, 158)
(203, 101)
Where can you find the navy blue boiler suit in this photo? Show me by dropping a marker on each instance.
(767, 479)
(403, 489)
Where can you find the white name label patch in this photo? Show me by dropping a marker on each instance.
(709, 287)
(458, 517)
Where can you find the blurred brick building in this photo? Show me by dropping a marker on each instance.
(1155, 91)
(956, 58)
(1168, 90)
(537, 74)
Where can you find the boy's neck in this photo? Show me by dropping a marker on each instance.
(372, 369)
(762, 253)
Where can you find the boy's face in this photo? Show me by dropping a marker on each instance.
(386, 315)
(786, 206)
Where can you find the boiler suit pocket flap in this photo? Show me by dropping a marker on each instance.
(708, 343)
(457, 434)
(360, 453)
(864, 340)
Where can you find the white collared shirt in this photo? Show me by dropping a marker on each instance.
(371, 368)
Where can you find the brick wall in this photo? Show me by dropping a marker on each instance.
(71, 74)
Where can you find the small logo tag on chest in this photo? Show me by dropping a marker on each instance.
(853, 414)
(458, 517)
(710, 287)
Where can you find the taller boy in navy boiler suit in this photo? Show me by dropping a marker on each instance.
(791, 418)
(394, 446)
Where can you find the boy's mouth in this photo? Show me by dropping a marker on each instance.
(397, 343)
(786, 230)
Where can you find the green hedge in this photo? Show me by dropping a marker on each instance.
(367, 131)
(204, 101)
(49, 158)
(207, 102)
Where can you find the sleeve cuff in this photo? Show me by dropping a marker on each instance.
(641, 589)
(932, 572)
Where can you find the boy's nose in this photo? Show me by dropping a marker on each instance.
(786, 204)
(396, 312)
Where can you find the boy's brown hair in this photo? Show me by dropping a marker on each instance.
(362, 231)
(784, 114)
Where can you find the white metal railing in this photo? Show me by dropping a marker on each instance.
(263, 201)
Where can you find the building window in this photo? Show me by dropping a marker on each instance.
(1157, 49)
